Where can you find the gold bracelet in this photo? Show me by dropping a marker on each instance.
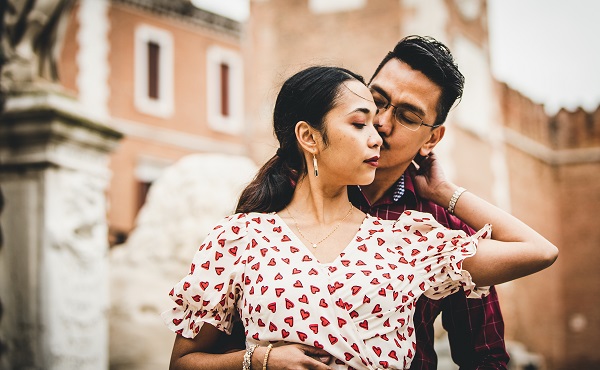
(267, 356)
(454, 199)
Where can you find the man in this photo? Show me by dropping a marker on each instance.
(414, 87)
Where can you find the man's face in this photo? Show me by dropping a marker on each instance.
(409, 89)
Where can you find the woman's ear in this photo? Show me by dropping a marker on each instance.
(436, 135)
(307, 137)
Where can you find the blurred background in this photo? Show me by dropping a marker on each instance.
(130, 127)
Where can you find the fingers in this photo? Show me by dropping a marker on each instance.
(313, 351)
(317, 358)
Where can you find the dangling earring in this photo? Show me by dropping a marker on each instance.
(315, 165)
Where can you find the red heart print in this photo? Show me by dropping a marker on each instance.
(204, 285)
(314, 328)
(296, 271)
(272, 307)
(305, 314)
(205, 265)
(272, 327)
(332, 339)
(324, 321)
(322, 303)
(377, 351)
(376, 309)
(235, 229)
(318, 345)
(289, 320)
(356, 289)
(279, 291)
(298, 284)
(364, 324)
(288, 304)
(186, 285)
(341, 322)
(303, 299)
(177, 321)
(284, 333)
(314, 289)
(285, 238)
(302, 336)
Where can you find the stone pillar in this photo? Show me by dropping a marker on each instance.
(53, 263)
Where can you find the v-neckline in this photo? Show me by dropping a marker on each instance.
(342, 253)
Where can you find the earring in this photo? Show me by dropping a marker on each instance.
(315, 165)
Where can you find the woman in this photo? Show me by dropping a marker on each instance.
(317, 283)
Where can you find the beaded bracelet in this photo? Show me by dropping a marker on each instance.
(247, 364)
(454, 199)
(266, 359)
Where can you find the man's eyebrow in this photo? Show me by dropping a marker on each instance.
(411, 107)
(380, 91)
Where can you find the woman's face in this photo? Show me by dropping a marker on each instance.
(352, 151)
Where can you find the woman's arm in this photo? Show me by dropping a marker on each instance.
(516, 250)
(201, 353)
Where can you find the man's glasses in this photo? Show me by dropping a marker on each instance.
(402, 115)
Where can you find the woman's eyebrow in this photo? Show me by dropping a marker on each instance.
(360, 110)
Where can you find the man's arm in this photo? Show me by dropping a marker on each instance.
(475, 331)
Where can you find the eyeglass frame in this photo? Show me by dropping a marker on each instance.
(386, 107)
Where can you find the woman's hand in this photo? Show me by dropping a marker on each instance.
(431, 183)
(292, 357)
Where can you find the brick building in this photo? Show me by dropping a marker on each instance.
(178, 80)
(499, 144)
(171, 79)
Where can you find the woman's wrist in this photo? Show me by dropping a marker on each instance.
(443, 194)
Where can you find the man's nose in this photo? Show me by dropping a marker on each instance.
(384, 121)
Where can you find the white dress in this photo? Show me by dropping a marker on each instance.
(359, 307)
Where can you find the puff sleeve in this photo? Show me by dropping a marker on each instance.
(437, 254)
(208, 294)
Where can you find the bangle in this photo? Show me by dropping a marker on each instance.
(267, 356)
(247, 364)
(454, 199)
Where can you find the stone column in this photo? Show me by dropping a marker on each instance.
(53, 263)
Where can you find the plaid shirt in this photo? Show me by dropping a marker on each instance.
(475, 326)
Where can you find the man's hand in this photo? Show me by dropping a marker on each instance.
(297, 357)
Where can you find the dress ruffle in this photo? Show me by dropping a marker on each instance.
(204, 294)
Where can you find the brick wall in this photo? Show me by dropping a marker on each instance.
(554, 168)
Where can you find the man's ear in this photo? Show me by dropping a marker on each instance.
(436, 135)
(307, 137)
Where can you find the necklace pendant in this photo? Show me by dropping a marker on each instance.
(314, 245)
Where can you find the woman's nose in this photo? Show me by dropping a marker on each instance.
(375, 139)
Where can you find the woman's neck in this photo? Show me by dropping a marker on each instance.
(323, 204)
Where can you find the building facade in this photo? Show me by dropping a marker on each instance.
(172, 78)
(178, 80)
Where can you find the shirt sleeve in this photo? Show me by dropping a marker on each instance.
(438, 253)
(208, 294)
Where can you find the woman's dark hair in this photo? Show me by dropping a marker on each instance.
(306, 96)
(434, 60)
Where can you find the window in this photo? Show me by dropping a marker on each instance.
(153, 71)
(147, 170)
(224, 90)
(334, 6)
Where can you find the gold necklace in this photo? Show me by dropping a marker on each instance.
(314, 245)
